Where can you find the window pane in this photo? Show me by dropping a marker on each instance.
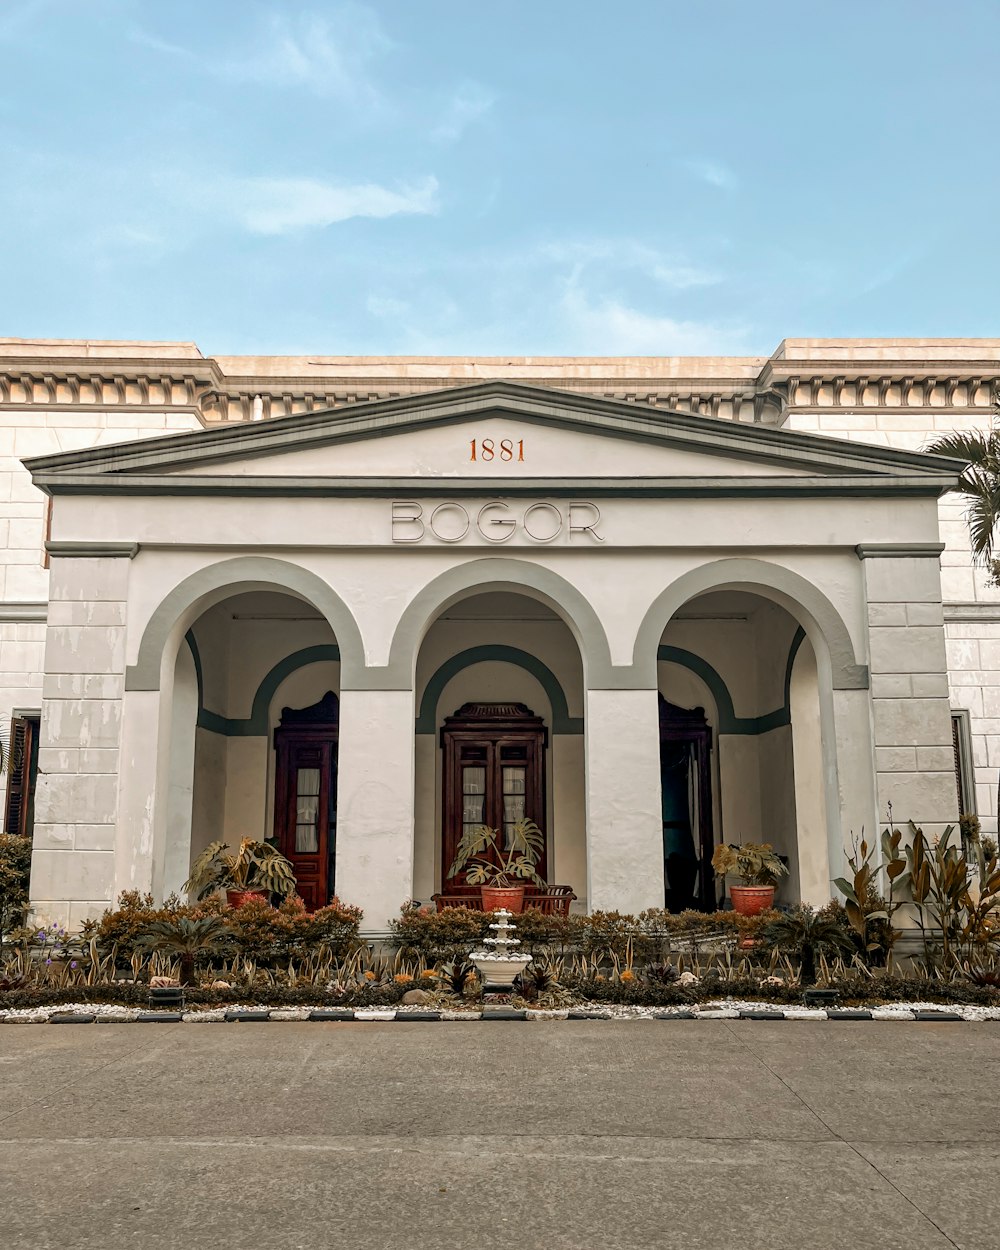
(513, 780)
(474, 779)
(307, 811)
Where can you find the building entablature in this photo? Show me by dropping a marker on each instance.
(800, 375)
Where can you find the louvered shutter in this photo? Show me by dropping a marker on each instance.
(19, 776)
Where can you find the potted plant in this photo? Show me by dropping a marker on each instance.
(759, 870)
(498, 869)
(257, 870)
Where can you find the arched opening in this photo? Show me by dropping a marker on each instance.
(741, 750)
(499, 733)
(253, 736)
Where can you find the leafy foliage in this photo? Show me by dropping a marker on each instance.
(255, 866)
(517, 861)
(189, 937)
(755, 863)
(15, 864)
(438, 935)
(806, 934)
(863, 904)
(979, 484)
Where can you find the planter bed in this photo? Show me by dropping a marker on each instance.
(724, 1009)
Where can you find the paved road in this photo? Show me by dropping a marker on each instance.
(567, 1136)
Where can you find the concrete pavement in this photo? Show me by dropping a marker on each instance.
(570, 1136)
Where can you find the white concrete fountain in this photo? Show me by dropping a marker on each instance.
(501, 964)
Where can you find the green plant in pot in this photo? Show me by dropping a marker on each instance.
(500, 870)
(759, 870)
(256, 870)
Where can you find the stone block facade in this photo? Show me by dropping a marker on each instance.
(932, 624)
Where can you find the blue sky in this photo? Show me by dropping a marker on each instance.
(461, 177)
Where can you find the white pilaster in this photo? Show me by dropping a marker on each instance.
(73, 861)
(624, 801)
(375, 803)
(911, 710)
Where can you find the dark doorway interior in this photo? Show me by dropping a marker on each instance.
(688, 834)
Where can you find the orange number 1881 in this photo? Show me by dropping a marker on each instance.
(489, 449)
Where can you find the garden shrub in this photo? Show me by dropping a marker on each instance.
(436, 935)
(15, 864)
(265, 934)
(555, 933)
(123, 926)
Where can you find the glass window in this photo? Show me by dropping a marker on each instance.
(514, 792)
(307, 811)
(473, 796)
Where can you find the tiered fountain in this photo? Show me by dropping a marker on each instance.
(501, 964)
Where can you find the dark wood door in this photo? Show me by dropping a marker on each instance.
(493, 774)
(688, 827)
(305, 799)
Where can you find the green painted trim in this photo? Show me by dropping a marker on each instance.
(798, 639)
(257, 724)
(899, 551)
(290, 487)
(199, 675)
(562, 722)
(93, 551)
(729, 722)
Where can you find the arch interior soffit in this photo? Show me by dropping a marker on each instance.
(213, 584)
(486, 575)
(729, 722)
(759, 577)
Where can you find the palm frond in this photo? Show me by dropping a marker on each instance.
(976, 447)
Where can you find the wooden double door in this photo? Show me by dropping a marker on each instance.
(493, 774)
(305, 798)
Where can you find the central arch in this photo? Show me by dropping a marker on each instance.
(490, 574)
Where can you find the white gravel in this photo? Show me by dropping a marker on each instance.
(720, 1009)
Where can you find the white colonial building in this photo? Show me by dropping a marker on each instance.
(353, 604)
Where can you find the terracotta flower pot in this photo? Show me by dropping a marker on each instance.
(236, 898)
(751, 900)
(510, 896)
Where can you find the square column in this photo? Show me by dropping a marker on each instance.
(911, 711)
(375, 803)
(76, 798)
(624, 801)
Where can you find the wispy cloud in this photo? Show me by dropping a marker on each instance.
(470, 102)
(607, 326)
(280, 205)
(329, 54)
(714, 173)
(629, 254)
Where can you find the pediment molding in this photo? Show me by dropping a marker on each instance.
(157, 465)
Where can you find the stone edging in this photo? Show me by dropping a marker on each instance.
(105, 1014)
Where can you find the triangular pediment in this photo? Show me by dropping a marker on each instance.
(493, 436)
